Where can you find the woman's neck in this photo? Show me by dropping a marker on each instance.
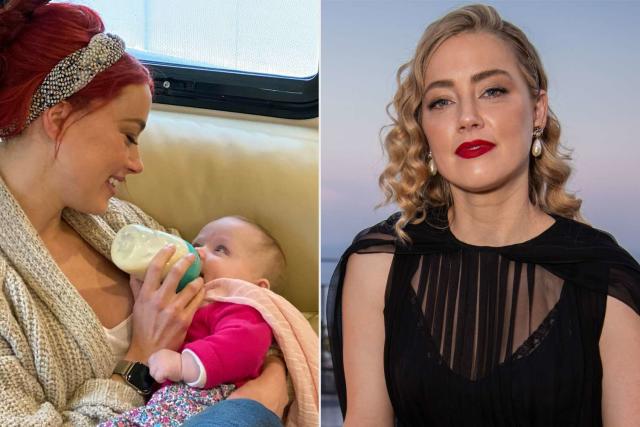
(498, 218)
(24, 171)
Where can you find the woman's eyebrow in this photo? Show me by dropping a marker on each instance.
(474, 78)
(139, 122)
(488, 73)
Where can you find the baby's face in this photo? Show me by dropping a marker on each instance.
(228, 248)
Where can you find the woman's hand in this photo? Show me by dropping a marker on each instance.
(269, 389)
(160, 316)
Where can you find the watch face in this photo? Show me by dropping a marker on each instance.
(139, 376)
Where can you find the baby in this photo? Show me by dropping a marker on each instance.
(226, 343)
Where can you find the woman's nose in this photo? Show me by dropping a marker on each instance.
(469, 116)
(135, 161)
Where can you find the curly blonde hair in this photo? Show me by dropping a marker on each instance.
(406, 180)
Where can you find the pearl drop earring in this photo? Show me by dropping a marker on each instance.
(536, 148)
(433, 169)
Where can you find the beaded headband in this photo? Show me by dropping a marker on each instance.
(76, 71)
(73, 73)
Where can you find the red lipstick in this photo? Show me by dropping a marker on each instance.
(475, 148)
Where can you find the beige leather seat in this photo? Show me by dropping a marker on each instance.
(199, 167)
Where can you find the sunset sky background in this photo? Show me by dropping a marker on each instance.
(590, 53)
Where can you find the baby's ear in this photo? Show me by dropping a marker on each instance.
(264, 283)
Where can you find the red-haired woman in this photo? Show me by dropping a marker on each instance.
(72, 106)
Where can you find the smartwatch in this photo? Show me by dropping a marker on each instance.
(137, 375)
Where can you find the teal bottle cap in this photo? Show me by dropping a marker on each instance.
(193, 271)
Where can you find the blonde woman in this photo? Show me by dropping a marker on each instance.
(486, 301)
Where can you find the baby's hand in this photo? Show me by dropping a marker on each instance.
(165, 365)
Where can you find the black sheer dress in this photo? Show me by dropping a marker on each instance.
(484, 336)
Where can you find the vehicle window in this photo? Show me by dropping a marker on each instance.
(250, 56)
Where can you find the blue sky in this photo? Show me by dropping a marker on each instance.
(590, 53)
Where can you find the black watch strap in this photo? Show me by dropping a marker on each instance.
(137, 375)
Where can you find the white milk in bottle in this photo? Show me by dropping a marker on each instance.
(135, 245)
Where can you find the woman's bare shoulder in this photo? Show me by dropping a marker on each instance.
(368, 271)
(370, 257)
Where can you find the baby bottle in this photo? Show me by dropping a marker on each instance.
(135, 245)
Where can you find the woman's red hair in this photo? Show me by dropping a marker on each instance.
(34, 37)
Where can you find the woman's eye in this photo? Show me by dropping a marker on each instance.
(439, 103)
(131, 140)
(494, 92)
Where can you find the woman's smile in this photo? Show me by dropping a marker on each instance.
(113, 183)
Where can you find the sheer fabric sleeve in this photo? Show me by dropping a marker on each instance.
(624, 285)
(624, 271)
(377, 239)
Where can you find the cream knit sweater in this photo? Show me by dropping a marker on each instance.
(55, 362)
